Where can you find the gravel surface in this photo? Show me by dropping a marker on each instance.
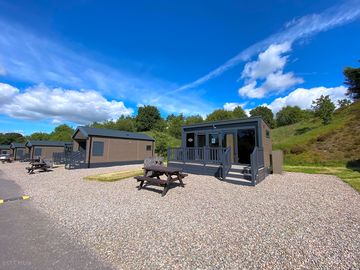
(292, 221)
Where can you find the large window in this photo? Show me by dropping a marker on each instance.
(37, 152)
(98, 149)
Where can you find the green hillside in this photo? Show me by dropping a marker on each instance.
(311, 143)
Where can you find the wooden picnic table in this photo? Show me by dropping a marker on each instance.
(152, 177)
(38, 165)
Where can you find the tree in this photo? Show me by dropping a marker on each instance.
(324, 108)
(7, 138)
(344, 103)
(174, 124)
(265, 113)
(62, 133)
(219, 114)
(147, 118)
(239, 112)
(125, 123)
(352, 79)
(193, 119)
(289, 115)
(39, 136)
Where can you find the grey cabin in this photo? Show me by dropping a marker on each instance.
(230, 149)
(4, 149)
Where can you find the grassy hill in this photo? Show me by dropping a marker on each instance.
(311, 143)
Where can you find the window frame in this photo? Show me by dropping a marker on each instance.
(96, 151)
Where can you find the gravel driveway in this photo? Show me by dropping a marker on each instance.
(291, 221)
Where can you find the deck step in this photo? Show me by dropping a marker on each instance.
(239, 175)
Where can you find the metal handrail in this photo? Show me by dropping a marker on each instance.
(226, 162)
(257, 163)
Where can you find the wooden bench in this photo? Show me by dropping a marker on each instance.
(152, 181)
(41, 166)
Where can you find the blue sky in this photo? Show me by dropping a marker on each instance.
(77, 62)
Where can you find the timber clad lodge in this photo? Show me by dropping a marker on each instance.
(230, 150)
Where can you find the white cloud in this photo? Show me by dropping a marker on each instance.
(58, 105)
(250, 90)
(280, 81)
(294, 30)
(268, 62)
(7, 92)
(303, 97)
(267, 71)
(230, 106)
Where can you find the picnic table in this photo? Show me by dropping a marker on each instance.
(152, 177)
(38, 165)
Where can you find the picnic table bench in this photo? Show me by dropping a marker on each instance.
(152, 177)
(39, 165)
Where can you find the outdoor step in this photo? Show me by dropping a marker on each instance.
(238, 180)
(240, 170)
(238, 175)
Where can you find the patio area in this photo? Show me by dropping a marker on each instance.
(293, 220)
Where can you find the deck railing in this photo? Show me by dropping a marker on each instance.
(257, 164)
(206, 155)
(75, 160)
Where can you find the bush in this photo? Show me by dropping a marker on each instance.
(297, 149)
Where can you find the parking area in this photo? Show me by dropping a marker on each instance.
(293, 220)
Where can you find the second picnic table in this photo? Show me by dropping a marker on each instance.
(152, 176)
(37, 165)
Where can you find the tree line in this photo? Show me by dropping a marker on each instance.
(60, 133)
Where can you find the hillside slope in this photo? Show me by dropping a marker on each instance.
(311, 142)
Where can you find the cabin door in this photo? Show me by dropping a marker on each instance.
(245, 145)
(229, 141)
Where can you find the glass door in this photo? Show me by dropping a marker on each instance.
(245, 145)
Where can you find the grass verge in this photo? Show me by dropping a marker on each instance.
(350, 176)
(114, 176)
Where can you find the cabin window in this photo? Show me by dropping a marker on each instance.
(148, 148)
(214, 140)
(268, 134)
(190, 139)
(37, 152)
(98, 149)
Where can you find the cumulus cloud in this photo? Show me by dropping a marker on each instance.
(268, 62)
(58, 105)
(7, 92)
(267, 71)
(303, 97)
(230, 106)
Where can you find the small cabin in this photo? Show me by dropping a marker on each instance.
(18, 151)
(4, 149)
(98, 147)
(46, 149)
(239, 149)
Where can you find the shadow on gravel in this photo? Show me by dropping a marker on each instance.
(239, 182)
